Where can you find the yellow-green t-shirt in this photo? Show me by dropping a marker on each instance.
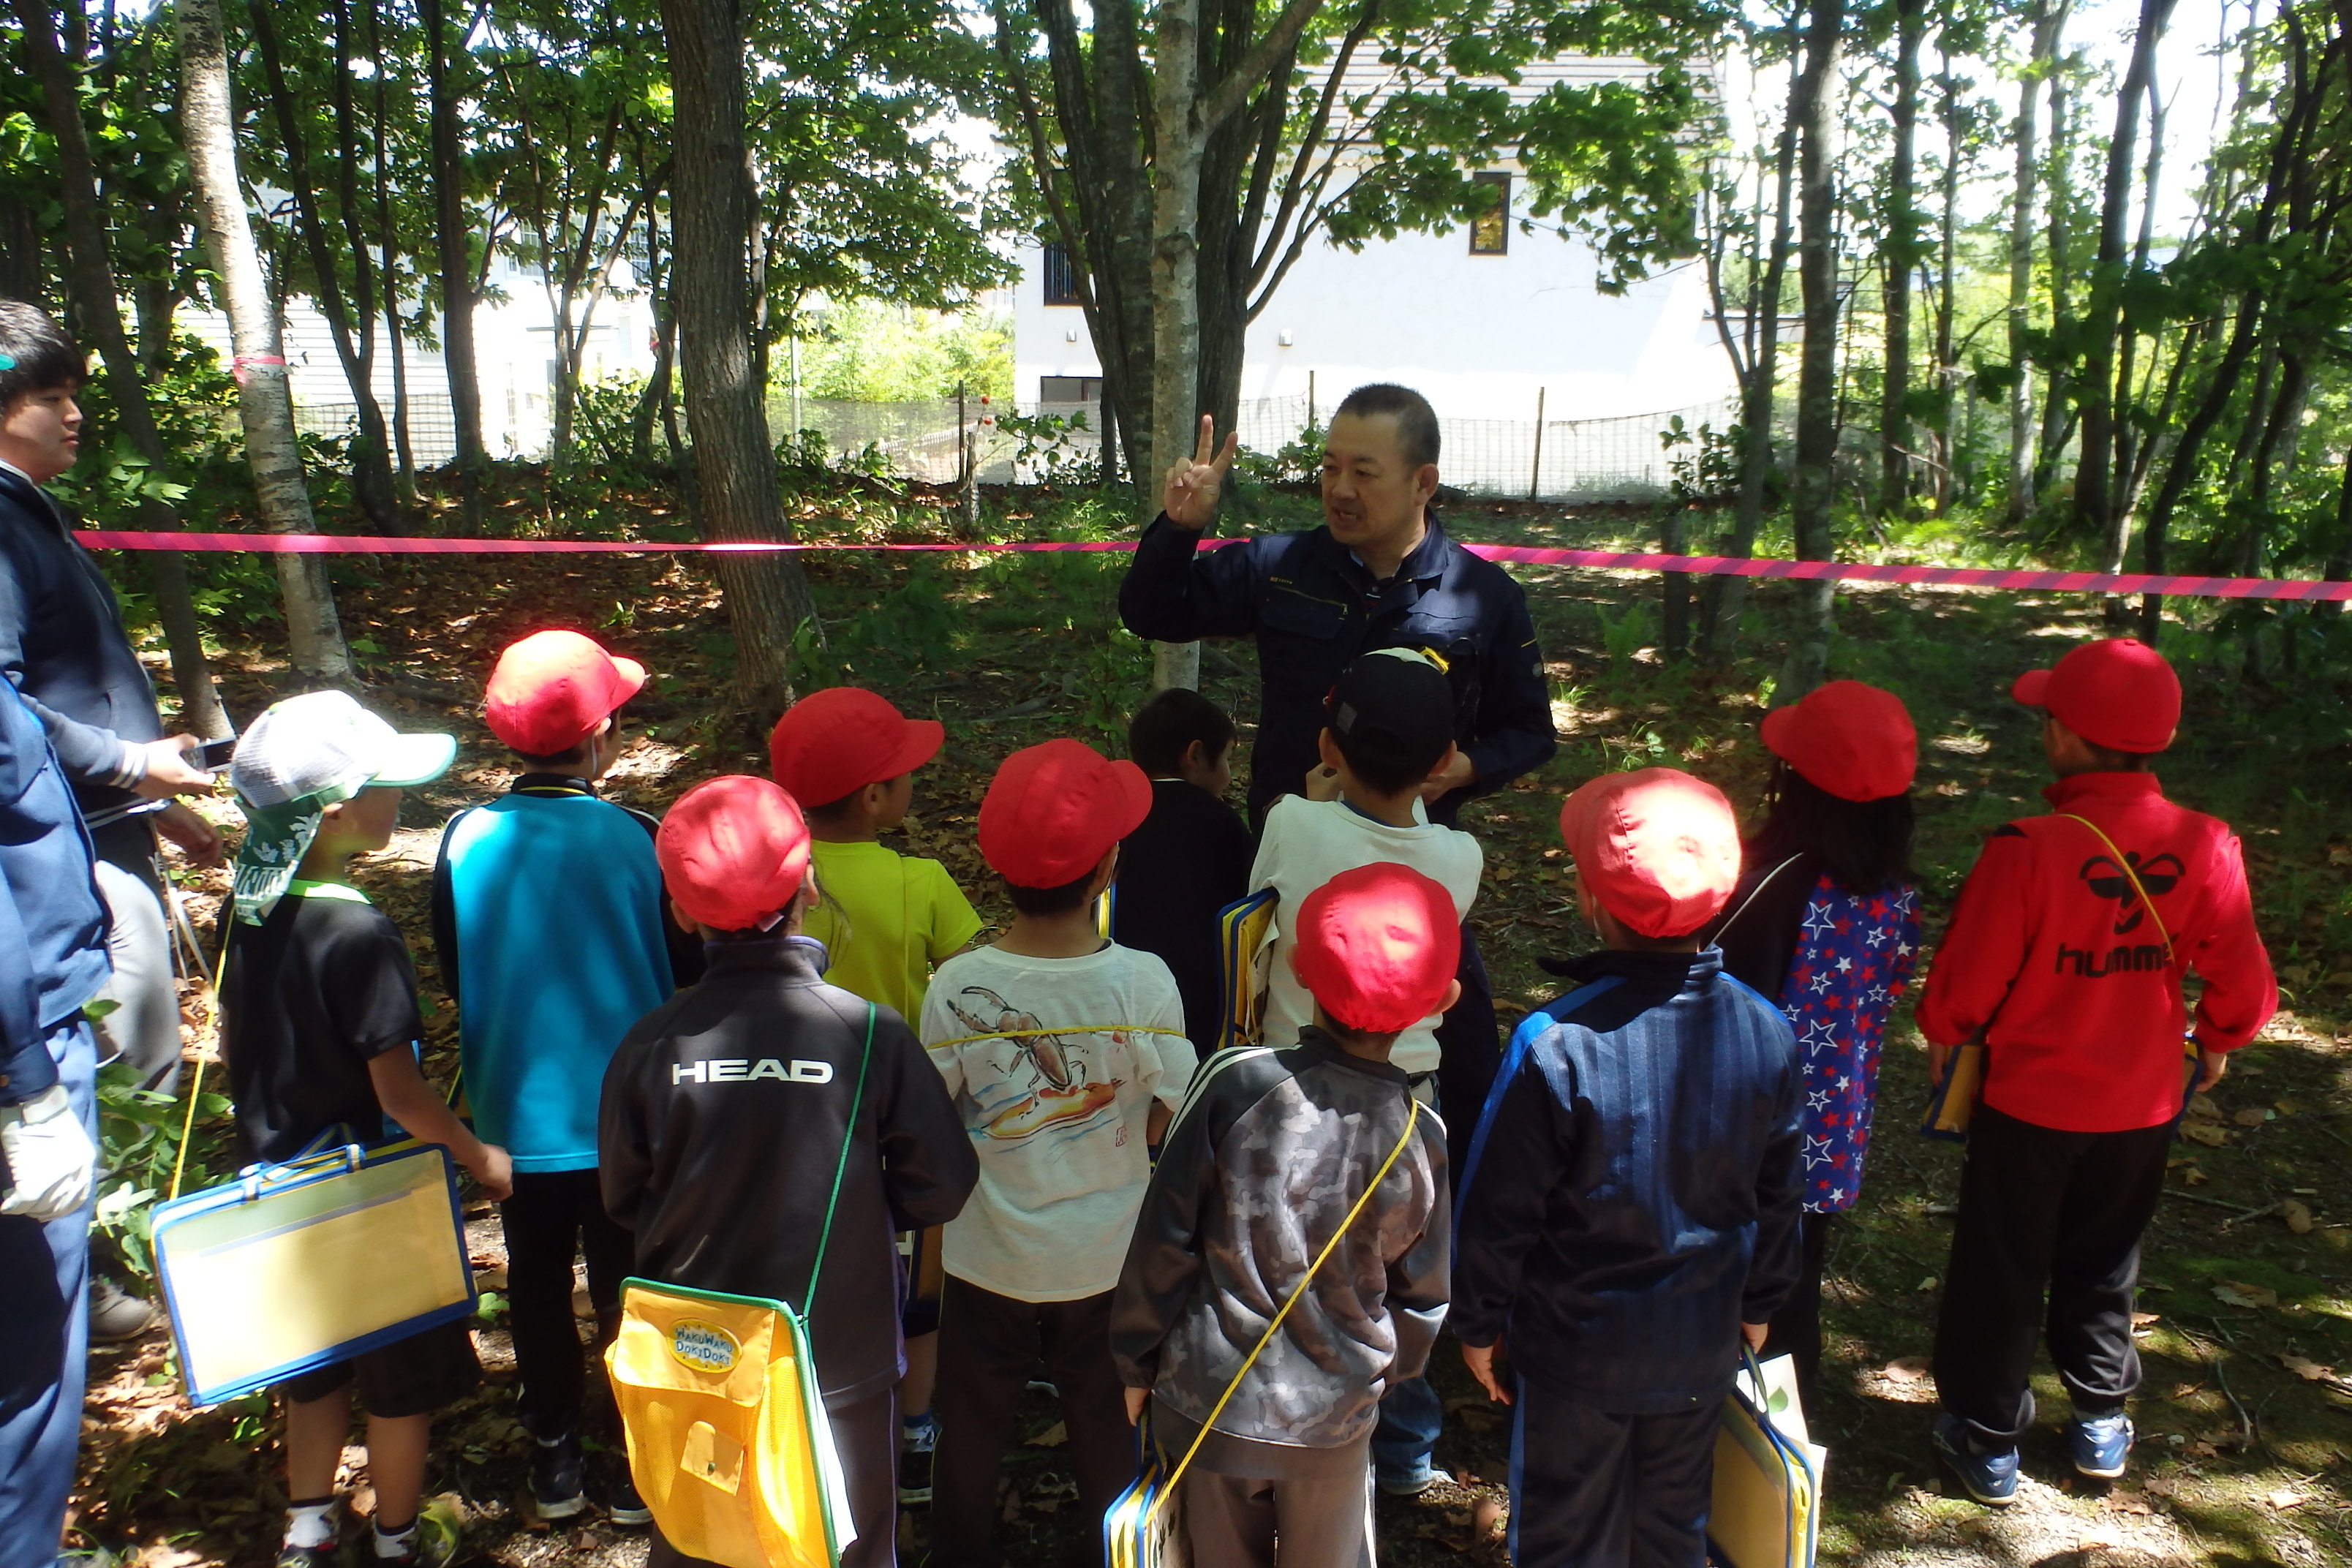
(887, 920)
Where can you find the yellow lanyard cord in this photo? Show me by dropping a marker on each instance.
(1411, 1117)
(196, 1079)
(1057, 1029)
(2132, 877)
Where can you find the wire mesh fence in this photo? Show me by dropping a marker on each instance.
(1624, 458)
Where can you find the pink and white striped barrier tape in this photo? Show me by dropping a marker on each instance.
(2302, 589)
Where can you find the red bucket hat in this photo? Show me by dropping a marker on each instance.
(1377, 946)
(1054, 811)
(1855, 741)
(834, 742)
(552, 688)
(2118, 692)
(733, 852)
(1659, 848)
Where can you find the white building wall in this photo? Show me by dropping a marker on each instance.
(1479, 335)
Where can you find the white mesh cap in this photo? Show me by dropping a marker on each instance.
(323, 746)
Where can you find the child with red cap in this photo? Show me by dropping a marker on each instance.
(548, 924)
(1630, 1203)
(1276, 1154)
(724, 1119)
(887, 920)
(1064, 1055)
(2064, 957)
(1825, 923)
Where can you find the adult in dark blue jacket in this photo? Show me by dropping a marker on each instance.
(1630, 1204)
(52, 962)
(62, 643)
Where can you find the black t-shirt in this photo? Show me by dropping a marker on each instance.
(1190, 859)
(309, 997)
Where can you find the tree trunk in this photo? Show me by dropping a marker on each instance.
(314, 633)
(1813, 485)
(2094, 468)
(387, 233)
(1175, 281)
(372, 453)
(1899, 258)
(2048, 21)
(2057, 421)
(1948, 357)
(450, 236)
(767, 596)
(1725, 597)
(91, 272)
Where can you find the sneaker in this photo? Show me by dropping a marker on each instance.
(916, 1445)
(1990, 1477)
(627, 1507)
(2102, 1445)
(558, 1477)
(115, 1314)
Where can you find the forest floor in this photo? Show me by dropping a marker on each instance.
(2245, 1416)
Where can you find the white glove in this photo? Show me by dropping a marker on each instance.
(50, 1157)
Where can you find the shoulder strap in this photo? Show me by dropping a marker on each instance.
(2132, 877)
(1750, 899)
(840, 1166)
(1412, 1119)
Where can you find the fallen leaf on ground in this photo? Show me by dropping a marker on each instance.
(2142, 1319)
(2204, 1133)
(2297, 1216)
(2097, 1540)
(2254, 1117)
(1906, 1369)
(2237, 1295)
(2204, 1108)
(2283, 1500)
(1053, 1436)
(2308, 1370)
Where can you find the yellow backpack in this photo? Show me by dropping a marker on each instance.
(729, 1441)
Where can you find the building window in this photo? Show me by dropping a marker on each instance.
(1490, 229)
(1069, 389)
(1061, 277)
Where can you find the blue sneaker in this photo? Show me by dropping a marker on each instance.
(1990, 1478)
(2102, 1445)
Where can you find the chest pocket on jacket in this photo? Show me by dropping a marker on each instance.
(1289, 611)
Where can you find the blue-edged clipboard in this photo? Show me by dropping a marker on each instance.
(1767, 1499)
(343, 1248)
(1245, 954)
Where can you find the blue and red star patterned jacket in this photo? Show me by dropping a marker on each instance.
(1855, 953)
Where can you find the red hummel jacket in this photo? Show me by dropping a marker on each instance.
(2052, 948)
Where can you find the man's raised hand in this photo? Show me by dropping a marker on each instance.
(1191, 497)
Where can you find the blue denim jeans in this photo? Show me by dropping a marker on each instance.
(1410, 1415)
(45, 1343)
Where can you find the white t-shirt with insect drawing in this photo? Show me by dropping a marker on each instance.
(1057, 1107)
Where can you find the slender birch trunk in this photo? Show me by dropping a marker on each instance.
(1175, 281)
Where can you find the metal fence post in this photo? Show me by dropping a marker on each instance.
(1535, 473)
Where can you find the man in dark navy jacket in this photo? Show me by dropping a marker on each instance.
(1381, 573)
(52, 962)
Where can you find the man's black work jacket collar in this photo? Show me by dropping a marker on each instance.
(1421, 568)
(797, 959)
(1315, 1048)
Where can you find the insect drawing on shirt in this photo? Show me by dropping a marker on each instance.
(1059, 1095)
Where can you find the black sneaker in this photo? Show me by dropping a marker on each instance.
(558, 1488)
(916, 1445)
(627, 1507)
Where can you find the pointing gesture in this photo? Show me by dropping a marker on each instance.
(1191, 498)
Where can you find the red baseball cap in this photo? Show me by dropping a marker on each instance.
(1855, 741)
(1054, 811)
(1377, 946)
(2118, 692)
(834, 742)
(552, 688)
(1659, 848)
(733, 852)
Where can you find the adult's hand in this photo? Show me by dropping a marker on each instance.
(1322, 783)
(1480, 1360)
(1190, 498)
(1136, 1400)
(1756, 1334)
(169, 772)
(199, 840)
(1455, 773)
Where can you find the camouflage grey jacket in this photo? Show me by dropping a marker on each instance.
(1270, 1152)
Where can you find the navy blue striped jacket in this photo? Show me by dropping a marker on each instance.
(1633, 1190)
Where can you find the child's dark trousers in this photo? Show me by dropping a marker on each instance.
(553, 1217)
(2044, 1213)
(1591, 1488)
